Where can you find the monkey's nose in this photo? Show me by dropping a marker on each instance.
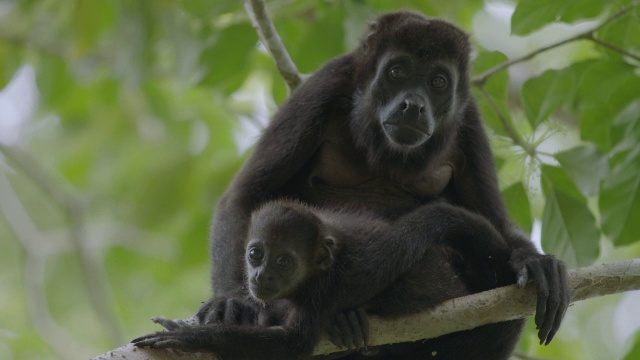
(412, 109)
(264, 278)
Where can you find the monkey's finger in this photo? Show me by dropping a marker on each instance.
(356, 329)
(217, 314)
(204, 311)
(556, 326)
(161, 344)
(345, 330)
(542, 292)
(552, 305)
(145, 338)
(564, 295)
(166, 323)
(248, 317)
(334, 337)
(232, 312)
(364, 325)
(523, 277)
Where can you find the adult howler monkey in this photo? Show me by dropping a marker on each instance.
(321, 261)
(390, 127)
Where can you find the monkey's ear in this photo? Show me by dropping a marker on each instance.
(326, 258)
(373, 27)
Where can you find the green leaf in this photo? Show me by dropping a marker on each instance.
(625, 130)
(542, 95)
(634, 353)
(569, 231)
(54, 80)
(586, 166)
(620, 200)
(323, 41)
(555, 178)
(228, 58)
(606, 87)
(496, 88)
(207, 9)
(517, 201)
(91, 19)
(623, 32)
(531, 15)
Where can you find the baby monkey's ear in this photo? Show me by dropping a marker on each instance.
(326, 254)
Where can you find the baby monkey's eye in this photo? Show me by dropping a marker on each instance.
(284, 262)
(255, 254)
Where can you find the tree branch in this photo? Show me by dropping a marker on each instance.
(256, 9)
(512, 132)
(503, 304)
(479, 80)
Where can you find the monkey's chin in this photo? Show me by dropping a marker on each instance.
(262, 294)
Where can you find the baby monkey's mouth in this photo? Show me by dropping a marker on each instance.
(261, 292)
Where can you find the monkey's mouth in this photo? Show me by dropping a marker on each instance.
(405, 134)
(262, 293)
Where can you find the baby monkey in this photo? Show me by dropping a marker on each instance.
(310, 268)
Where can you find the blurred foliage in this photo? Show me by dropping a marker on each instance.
(107, 198)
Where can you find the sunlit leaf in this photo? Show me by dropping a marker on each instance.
(586, 166)
(531, 15)
(227, 59)
(605, 88)
(556, 178)
(517, 201)
(623, 32)
(544, 94)
(625, 131)
(620, 200)
(496, 88)
(569, 230)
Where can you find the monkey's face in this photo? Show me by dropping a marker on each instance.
(411, 89)
(273, 272)
(408, 99)
(285, 247)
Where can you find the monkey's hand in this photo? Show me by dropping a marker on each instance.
(190, 338)
(554, 293)
(228, 311)
(349, 329)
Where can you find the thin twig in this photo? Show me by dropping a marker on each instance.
(513, 134)
(479, 80)
(613, 47)
(256, 9)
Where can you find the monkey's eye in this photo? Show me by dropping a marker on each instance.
(438, 82)
(284, 262)
(255, 254)
(399, 73)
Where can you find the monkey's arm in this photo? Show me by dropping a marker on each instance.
(477, 189)
(235, 341)
(286, 145)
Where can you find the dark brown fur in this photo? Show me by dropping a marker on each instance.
(332, 257)
(347, 138)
